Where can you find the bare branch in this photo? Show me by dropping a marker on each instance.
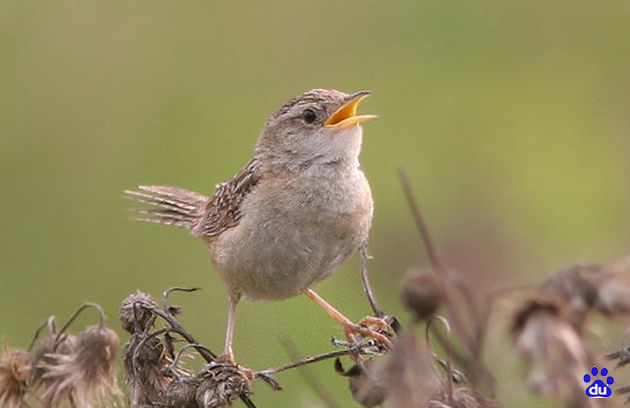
(361, 348)
(317, 386)
(367, 288)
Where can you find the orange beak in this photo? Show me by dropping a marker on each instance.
(346, 115)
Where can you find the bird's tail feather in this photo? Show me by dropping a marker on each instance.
(174, 206)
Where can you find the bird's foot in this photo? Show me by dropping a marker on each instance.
(370, 327)
(227, 361)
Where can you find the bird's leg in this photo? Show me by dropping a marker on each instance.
(349, 327)
(228, 353)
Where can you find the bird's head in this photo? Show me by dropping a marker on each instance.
(320, 126)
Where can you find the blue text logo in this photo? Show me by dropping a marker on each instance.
(599, 389)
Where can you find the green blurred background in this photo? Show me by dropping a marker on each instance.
(510, 116)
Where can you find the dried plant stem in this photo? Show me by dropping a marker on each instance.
(50, 323)
(367, 288)
(420, 224)
(438, 266)
(449, 369)
(101, 315)
(317, 386)
(476, 366)
(360, 349)
(168, 291)
(204, 352)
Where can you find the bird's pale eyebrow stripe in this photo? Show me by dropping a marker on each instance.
(304, 99)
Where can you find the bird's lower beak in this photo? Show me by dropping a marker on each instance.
(346, 115)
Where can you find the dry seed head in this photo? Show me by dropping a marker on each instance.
(544, 336)
(613, 287)
(97, 350)
(407, 373)
(134, 312)
(572, 287)
(221, 384)
(143, 371)
(88, 374)
(535, 307)
(542, 332)
(47, 354)
(462, 398)
(422, 294)
(365, 385)
(182, 394)
(146, 361)
(16, 368)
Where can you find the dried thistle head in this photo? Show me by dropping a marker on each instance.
(151, 376)
(546, 339)
(48, 347)
(605, 288)
(541, 331)
(613, 287)
(408, 374)
(144, 360)
(573, 287)
(16, 366)
(135, 314)
(221, 384)
(422, 294)
(182, 393)
(462, 398)
(88, 374)
(96, 356)
(365, 385)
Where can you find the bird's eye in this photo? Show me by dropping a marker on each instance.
(309, 116)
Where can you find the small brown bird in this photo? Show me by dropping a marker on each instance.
(293, 215)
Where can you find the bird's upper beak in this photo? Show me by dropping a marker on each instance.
(346, 114)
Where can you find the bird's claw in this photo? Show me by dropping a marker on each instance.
(370, 327)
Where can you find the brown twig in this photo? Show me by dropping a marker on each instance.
(367, 288)
(449, 368)
(420, 224)
(476, 365)
(317, 386)
(101, 315)
(356, 349)
(436, 262)
(50, 323)
(204, 352)
(167, 293)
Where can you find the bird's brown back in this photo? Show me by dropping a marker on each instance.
(224, 209)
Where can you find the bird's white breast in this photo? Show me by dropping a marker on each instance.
(296, 230)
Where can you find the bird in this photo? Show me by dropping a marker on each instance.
(296, 212)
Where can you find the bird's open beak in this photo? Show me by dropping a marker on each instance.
(346, 115)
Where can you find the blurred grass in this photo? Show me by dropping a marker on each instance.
(511, 118)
